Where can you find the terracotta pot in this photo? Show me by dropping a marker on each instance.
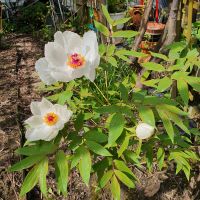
(136, 14)
(147, 46)
(155, 28)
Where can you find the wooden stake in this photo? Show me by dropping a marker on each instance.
(189, 26)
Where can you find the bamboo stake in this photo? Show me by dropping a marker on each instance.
(189, 26)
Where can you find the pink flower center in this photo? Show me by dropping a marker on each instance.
(76, 61)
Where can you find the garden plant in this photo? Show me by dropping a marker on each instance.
(108, 124)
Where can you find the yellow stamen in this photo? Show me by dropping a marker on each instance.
(51, 119)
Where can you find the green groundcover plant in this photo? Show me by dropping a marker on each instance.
(106, 123)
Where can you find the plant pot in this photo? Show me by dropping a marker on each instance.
(136, 14)
(147, 46)
(116, 16)
(155, 28)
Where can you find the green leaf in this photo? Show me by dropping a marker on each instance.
(132, 157)
(97, 148)
(61, 166)
(174, 109)
(115, 188)
(26, 163)
(125, 34)
(149, 157)
(103, 29)
(130, 53)
(151, 83)
(42, 177)
(110, 50)
(183, 90)
(102, 49)
(120, 165)
(116, 128)
(112, 61)
(121, 21)
(194, 82)
(166, 122)
(178, 121)
(31, 180)
(164, 84)
(147, 115)
(153, 66)
(106, 177)
(76, 157)
(107, 15)
(187, 172)
(79, 122)
(159, 55)
(160, 157)
(124, 179)
(124, 146)
(97, 136)
(38, 149)
(124, 58)
(115, 109)
(64, 97)
(85, 165)
(124, 92)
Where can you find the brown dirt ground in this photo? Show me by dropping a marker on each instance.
(18, 86)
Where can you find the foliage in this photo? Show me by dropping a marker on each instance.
(115, 6)
(101, 137)
(32, 18)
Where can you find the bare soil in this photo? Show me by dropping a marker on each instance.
(18, 87)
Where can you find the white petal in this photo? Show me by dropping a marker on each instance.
(63, 112)
(91, 46)
(77, 73)
(45, 106)
(52, 135)
(44, 72)
(55, 54)
(41, 133)
(35, 109)
(91, 75)
(144, 131)
(34, 121)
(62, 76)
(73, 42)
(58, 38)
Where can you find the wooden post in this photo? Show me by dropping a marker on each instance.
(189, 26)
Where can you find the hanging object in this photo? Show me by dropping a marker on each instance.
(155, 28)
(157, 11)
(141, 2)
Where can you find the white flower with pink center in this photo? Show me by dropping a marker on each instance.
(70, 56)
(46, 121)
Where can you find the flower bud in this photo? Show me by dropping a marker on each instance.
(144, 131)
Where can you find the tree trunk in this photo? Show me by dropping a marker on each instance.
(170, 29)
(143, 25)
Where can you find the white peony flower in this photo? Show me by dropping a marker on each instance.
(46, 121)
(69, 57)
(144, 131)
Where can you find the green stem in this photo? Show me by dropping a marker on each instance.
(101, 92)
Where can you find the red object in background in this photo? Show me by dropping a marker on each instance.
(141, 2)
(157, 10)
